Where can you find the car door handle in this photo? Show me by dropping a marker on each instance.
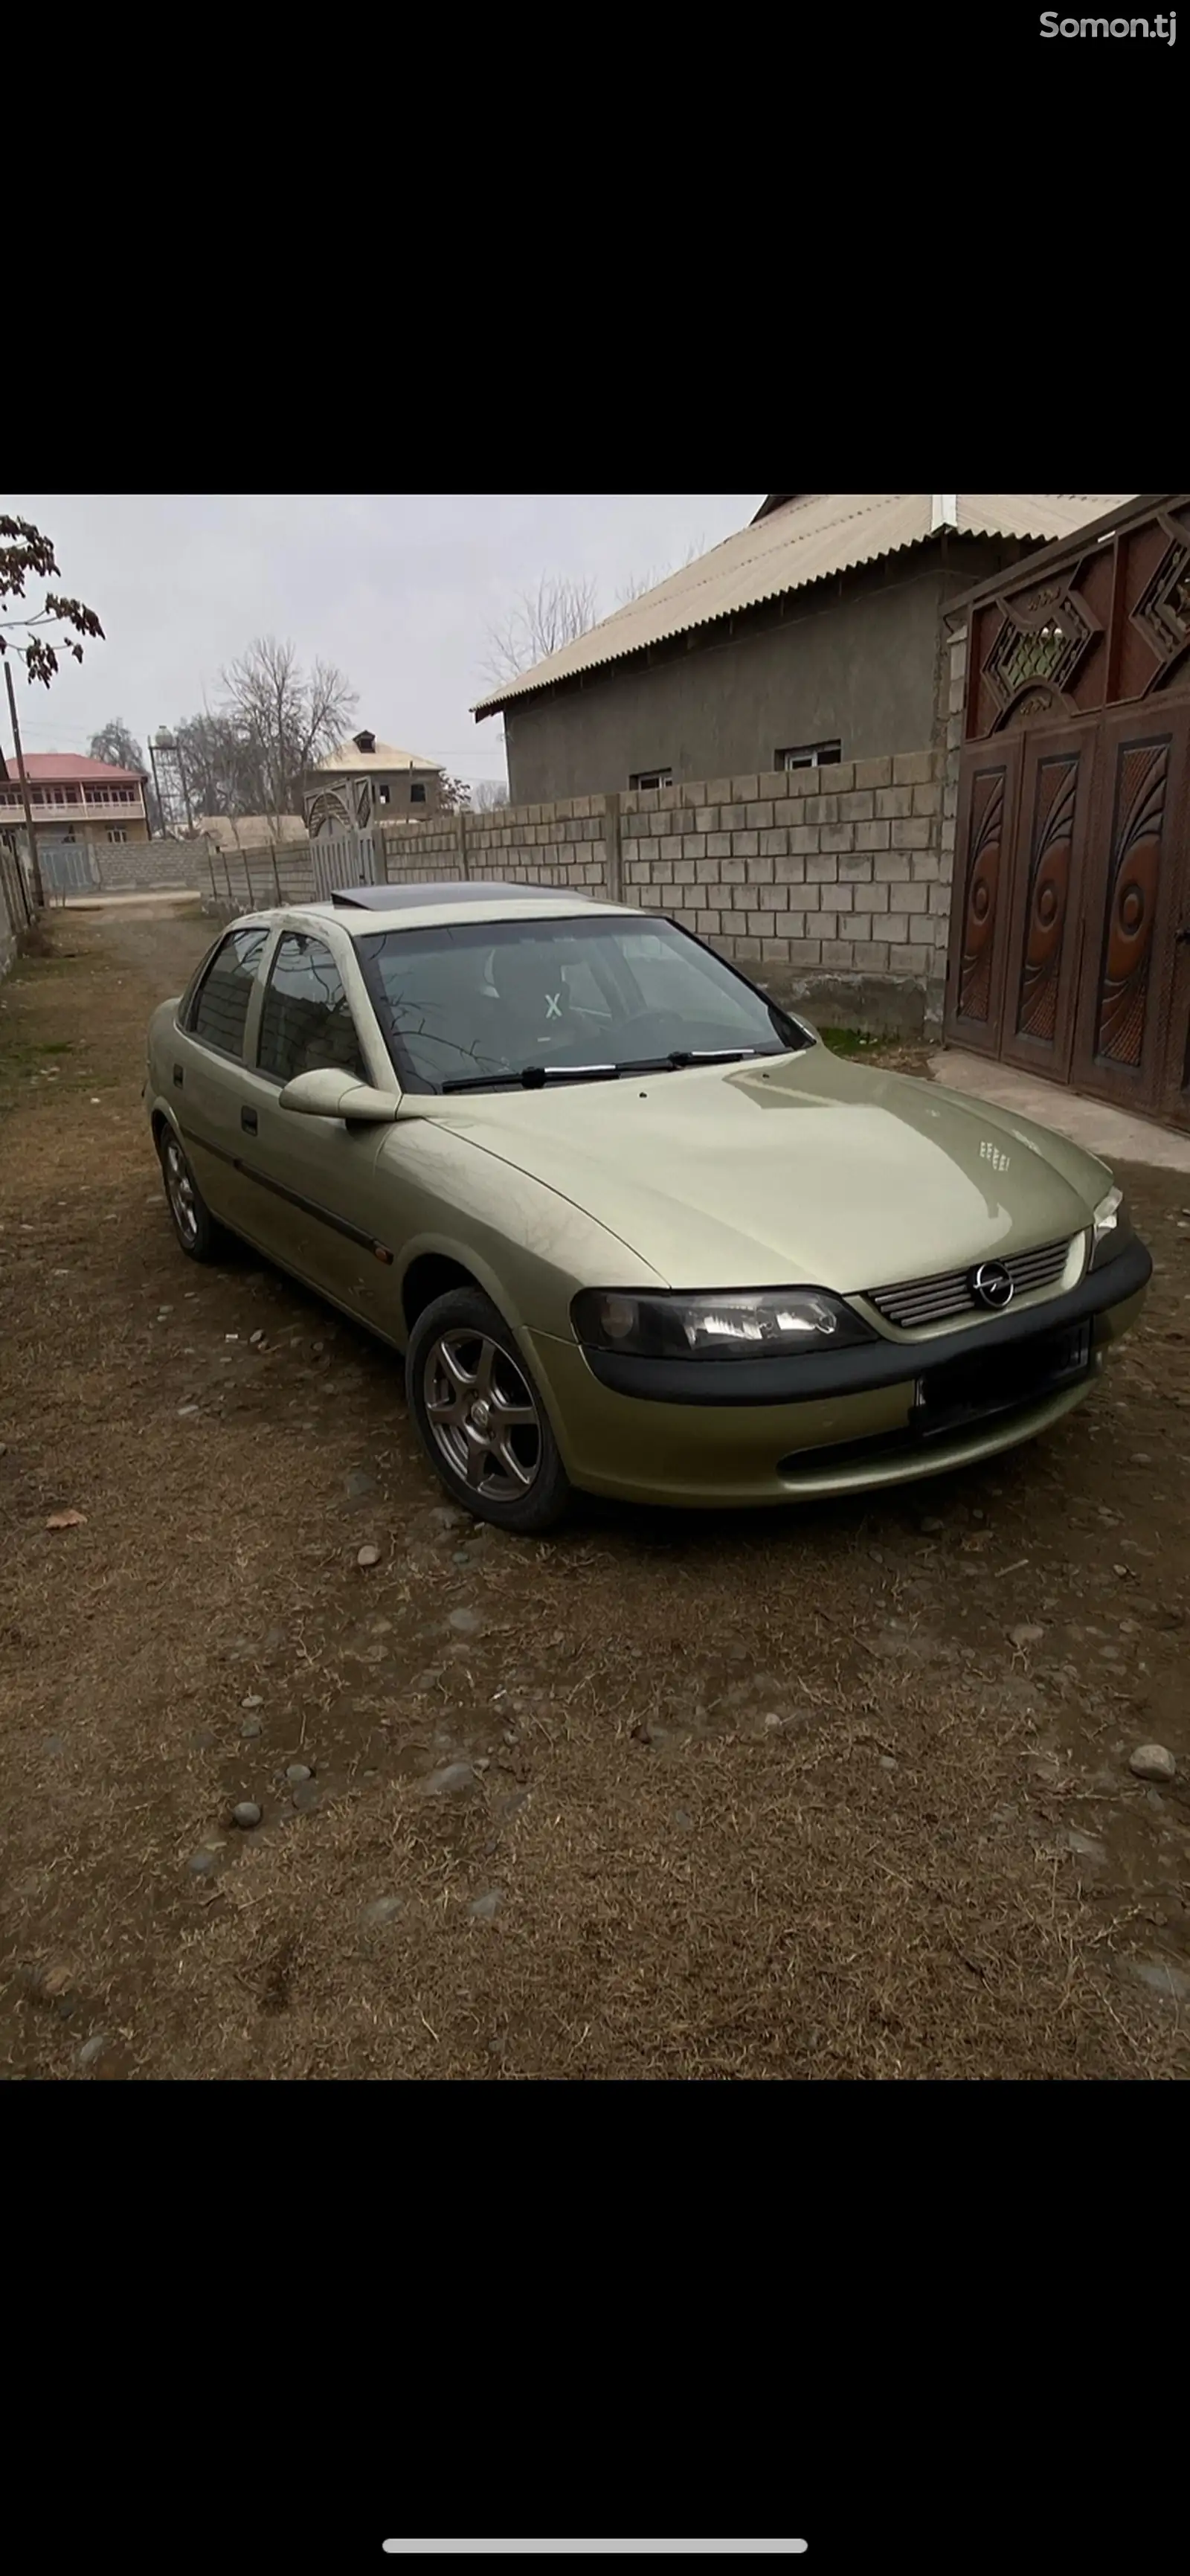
(177, 1077)
(1183, 937)
(248, 1121)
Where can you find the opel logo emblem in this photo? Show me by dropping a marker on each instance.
(991, 1284)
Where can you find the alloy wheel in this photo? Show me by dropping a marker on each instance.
(483, 1415)
(179, 1189)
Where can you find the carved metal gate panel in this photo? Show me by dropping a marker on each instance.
(989, 781)
(1070, 931)
(1045, 899)
(1131, 1040)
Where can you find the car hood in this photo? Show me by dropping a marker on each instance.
(806, 1169)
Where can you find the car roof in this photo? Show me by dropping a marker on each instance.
(360, 909)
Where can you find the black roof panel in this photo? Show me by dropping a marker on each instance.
(394, 898)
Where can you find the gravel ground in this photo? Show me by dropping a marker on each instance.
(842, 1792)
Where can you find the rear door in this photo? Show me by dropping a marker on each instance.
(204, 1072)
(317, 1200)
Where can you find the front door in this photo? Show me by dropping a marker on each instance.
(313, 1181)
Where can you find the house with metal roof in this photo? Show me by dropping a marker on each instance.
(365, 782)
(814, 636)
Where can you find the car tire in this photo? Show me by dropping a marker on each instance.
(480, 1418)
(200, 1235)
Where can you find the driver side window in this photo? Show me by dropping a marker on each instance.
(306, 1022)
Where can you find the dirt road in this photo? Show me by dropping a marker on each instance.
(843, 1793)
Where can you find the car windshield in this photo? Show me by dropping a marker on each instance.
(478, 1004)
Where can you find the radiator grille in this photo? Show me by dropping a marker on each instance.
(913, 1303)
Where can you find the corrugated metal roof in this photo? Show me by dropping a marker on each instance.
(385, 756)
(804, 539)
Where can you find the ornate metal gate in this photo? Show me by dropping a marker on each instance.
(344, 859)
(1070, 931)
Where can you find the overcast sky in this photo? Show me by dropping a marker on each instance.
(397, 588)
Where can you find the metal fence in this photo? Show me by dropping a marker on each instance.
(346, 858)
(67, 867)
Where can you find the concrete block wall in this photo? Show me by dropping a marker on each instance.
(572, 844)
(830, 886)
(806, 872)
(422, 852)
(125, 867)
(231, 882)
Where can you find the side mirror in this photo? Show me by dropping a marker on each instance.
(331, 1094)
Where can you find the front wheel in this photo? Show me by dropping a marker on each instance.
(480, 1418)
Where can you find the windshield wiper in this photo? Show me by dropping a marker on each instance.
(534, 1077)
(680, 1057)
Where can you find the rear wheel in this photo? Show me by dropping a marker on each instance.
(480, 1418)
(201, 1236)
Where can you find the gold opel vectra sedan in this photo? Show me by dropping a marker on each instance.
(634, 1228)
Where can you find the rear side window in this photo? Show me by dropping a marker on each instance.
(220, 1006)
(306, 1020)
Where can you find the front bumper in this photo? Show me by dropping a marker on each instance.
(719, 1432)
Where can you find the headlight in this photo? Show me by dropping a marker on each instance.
(1111, 1229)
(756, 1324)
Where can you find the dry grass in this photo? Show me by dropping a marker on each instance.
(763, 1797)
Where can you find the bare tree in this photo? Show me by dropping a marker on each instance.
(454, 795)
(25, 550)
(488, 794)
(220, 764)
(115, 744)
(542, 621)
(638, 583)
(554, 614)
(288, 715)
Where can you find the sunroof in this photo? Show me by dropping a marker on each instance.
(395, 898)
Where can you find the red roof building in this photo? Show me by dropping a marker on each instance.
(75, 799)
(61, 767)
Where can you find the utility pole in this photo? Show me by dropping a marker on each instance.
(30, 826)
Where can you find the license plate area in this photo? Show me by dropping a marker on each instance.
(999, 1381)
